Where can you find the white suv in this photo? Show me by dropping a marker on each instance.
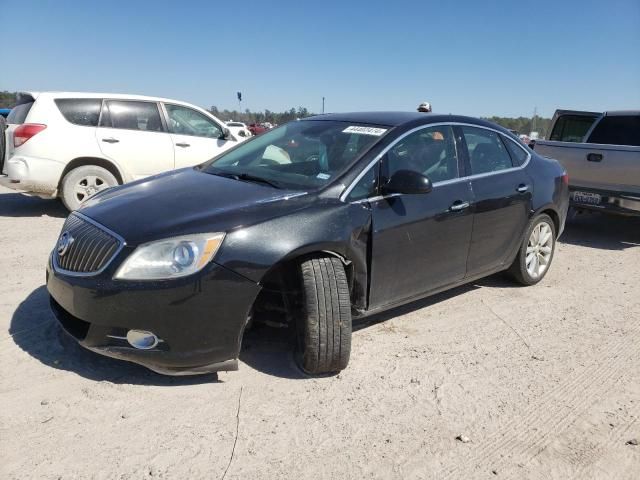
(71, 145)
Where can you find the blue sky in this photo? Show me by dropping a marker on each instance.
(468, 57)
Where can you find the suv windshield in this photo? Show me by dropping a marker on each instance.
(304, 154)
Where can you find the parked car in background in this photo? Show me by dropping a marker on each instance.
(601, 152)
(4, 112)
(257, 128)
(72, 145)
(327, 218)
(239, 129)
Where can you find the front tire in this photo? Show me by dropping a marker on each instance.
(82, 183)
(536, 252)
(324, 329)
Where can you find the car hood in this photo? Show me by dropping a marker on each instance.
(188, 201)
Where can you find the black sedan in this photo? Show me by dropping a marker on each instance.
(314, 223)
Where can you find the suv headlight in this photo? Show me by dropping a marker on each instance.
(170, 258)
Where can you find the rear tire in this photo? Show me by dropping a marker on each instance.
(3, 142)
(324, 329)
(536, 252)
(82, 183)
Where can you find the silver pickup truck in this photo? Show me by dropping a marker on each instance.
(601, 152)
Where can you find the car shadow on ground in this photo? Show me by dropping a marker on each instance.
(35, 330)
(607, 232)
(271, 350)
(21, 205)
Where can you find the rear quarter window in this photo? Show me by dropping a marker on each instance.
(617, 130)
(80, 111)
(19, 113)
(518, 154)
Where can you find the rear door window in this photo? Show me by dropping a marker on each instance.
(131, 115)
(617, 130)
(571, 128)
(487, 153)
(80, 111)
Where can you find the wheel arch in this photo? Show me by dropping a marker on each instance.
(552, 212)
(97, 161)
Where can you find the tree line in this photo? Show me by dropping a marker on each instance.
(521, 124)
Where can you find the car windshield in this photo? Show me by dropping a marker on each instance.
(305, 154)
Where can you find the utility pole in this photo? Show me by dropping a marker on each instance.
(535, 114)
(322, 104)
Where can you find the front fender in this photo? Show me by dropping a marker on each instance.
(336, 227)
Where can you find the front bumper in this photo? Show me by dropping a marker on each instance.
(200, 319)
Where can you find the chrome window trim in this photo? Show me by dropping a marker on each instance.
(347, 191)
(121, 241)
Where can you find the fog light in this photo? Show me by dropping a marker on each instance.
(141, 340)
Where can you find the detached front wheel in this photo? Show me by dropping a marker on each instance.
(536, 252)
(324, 329)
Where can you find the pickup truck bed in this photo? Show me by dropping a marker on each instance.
(601, 176)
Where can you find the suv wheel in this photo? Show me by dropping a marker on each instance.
(536, 252)
(324, 329)
(83, 182)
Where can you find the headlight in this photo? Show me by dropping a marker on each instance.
(170, 258)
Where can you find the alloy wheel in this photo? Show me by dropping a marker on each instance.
(539, 249)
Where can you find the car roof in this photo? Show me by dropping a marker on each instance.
(397, 119)
(619, 113)
(121, 96)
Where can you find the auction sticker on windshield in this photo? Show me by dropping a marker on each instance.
(376, 132)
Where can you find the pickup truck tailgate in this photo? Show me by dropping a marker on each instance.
(615, 168)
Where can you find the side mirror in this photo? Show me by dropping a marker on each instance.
(409, 182)
(226, 134)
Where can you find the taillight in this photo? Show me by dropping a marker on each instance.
(25, 131)
(565, 178)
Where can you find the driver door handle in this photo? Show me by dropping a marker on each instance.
(457, 206)
(184, 145)
(110, 140)
(522, 188)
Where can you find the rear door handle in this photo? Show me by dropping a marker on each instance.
(110, 140)
(457, 206)
(184, 145)
(594, 157)
(522, 188)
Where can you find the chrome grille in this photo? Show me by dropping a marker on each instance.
(91, 249)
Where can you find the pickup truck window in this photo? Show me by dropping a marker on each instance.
(617, 130)
(571, 128)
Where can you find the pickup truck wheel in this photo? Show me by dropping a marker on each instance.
(536, 252)
(83, 182)
(324, 329)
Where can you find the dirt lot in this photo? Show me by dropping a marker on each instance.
(544, 381)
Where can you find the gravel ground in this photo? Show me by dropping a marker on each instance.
(538, 382)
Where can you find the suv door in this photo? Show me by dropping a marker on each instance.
(132, 134)
(502, 194)
(420, 242)
(196, 137)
